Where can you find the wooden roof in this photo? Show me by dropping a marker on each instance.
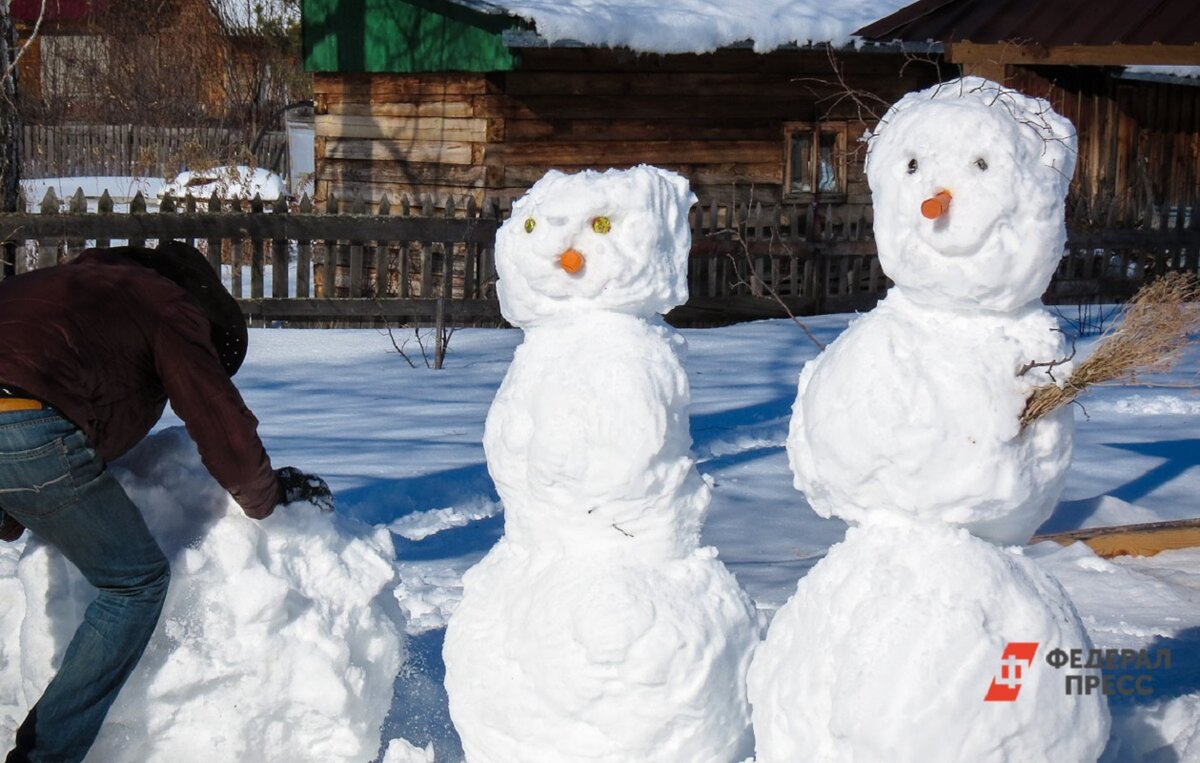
(1075, 32)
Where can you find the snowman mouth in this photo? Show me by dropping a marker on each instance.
(949, 240)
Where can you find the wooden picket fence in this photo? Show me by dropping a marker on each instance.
(344, 264)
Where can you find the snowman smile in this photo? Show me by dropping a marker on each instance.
(957, 236)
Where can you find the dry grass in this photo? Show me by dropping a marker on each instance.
(1156, 325)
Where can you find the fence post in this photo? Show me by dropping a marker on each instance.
(439, 340)
(214, 244)
(137, 207)
(78, 206)
(256, 251)
(303, 254)
(280, 256)
(427, 210)
(448, 255)
(358, 207)
(48, 247)
(381, 252)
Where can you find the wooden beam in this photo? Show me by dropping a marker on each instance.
(437, 152)
(1132, 540)
(298, 227)
(1072, 55)
(378, 127)
(333, 309)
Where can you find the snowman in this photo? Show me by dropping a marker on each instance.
(908, 428)
(597, 629)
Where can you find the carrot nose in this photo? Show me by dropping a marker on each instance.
(571, 261)
(936, 206)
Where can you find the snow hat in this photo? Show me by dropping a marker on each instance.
(615, 241)
(969, 180)
(190, 270)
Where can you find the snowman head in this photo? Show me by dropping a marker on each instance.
(615, 241)
(968, 180)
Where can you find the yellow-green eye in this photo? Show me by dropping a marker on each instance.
(530, 224)
(601, 225)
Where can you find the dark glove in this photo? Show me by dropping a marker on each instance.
(10, 529)
(298, 486)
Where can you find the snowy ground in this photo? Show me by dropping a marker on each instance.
(401, 449)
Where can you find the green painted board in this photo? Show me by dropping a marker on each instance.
(402, 36)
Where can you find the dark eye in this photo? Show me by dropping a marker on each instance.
(981, 164)
(912, 166)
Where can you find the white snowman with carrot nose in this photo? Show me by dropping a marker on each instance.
(894, 646)
(597, 628)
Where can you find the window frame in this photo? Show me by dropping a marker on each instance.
(841, 130)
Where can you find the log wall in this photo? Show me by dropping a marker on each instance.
(1139, 142)
(718, 119)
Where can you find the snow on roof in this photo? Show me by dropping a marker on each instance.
(1179, 72)
(694, 26)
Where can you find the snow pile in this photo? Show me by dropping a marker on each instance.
(699, 26)
(230, 182)
(930, 609)
(908, 427)
(598, 629)
(279, 641)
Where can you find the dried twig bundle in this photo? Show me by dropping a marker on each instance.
(1155, 326)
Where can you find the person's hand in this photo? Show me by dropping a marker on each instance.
(298, 486)
(10, 529)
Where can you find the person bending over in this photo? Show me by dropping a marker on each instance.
(90, 353)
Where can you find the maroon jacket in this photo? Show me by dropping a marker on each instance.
(107, 342)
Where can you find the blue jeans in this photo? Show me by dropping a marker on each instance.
(52, 482)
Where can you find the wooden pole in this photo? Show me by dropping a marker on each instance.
(1132, 540)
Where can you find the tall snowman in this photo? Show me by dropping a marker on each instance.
(597, 629)
(908, 428)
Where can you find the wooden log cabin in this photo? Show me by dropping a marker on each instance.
(461, 98)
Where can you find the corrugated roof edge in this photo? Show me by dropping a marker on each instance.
(879, 30)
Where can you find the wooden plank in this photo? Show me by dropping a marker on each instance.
(1074, 55)
(652, 82)
(232, 225)
(748, 106)
(796, 63)
(634, 152)
(378, 127)
(403, 173)
(675, 128)
(392, 87)
(449, 152)
(721, 175)
(283, 309)
(449, 108)
(1132, 540)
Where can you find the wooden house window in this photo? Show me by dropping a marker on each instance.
(73, 66)
(816, 159)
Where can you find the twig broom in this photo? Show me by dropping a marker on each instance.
(1155, 327)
